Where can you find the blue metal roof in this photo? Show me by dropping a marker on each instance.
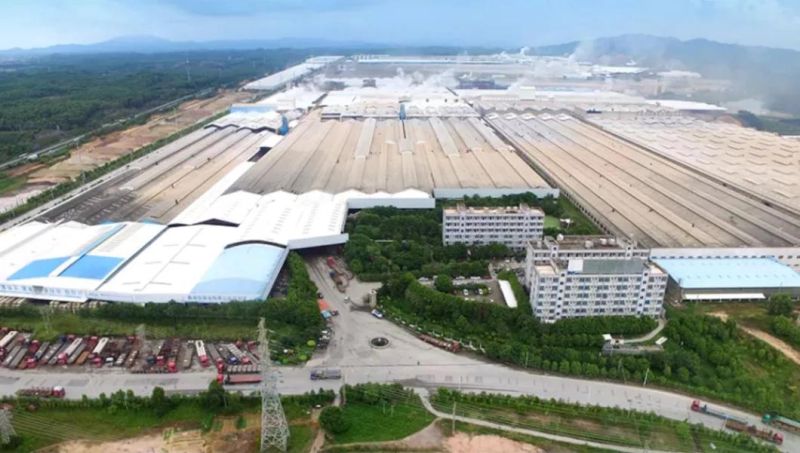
(38, 268)
(92, 267)
(729, 273)
(246, 271)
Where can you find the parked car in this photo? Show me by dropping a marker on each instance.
(377, 314)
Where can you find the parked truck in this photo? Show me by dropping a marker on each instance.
(697, 406)
(325, 373)
(202, 355)
(781, 422)
(447, 345)
(238, 379)
(43, 392)
(752, 430)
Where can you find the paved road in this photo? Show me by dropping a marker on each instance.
(406, 360)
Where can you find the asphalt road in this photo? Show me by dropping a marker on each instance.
(406, 360)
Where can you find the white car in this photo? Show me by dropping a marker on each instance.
(377, 314)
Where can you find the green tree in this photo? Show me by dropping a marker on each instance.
(215, 398)
(161, 404)
(333, 421)
(444, 283)
(780, 305)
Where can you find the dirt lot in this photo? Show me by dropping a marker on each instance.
(467, 443)
(116, 144)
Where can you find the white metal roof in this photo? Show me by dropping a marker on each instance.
(173, 264)
(508, 293)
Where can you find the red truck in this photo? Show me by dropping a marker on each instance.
(43, 392)
(452, 346)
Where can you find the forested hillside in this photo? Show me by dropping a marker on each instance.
(47, 99)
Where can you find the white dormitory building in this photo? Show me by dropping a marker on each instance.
(596, 287)
(512, 226)
(595, 275)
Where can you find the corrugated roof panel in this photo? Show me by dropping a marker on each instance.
(38, 268)
(92, 267)
(730, 273)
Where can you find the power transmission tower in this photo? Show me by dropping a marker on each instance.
(140, 337)
(274, 428)
(6, 430)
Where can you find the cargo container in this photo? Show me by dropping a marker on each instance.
(73, 357)
(236, 379)
(17, 358)
(10, 355)
(43, 392)
(452, 346)
(752, 430)
(326, 373)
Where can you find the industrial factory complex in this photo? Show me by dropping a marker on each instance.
(693, 205)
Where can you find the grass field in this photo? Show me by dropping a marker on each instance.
(48, 426)
(750, 314)
(378, 423)
(9, 183)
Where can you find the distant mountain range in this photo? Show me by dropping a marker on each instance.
(768, 74)
(150, 44)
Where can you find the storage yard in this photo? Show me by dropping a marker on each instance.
(448, 157)
(19, 350)
(764, 164)
(638, 194)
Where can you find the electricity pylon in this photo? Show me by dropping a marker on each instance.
(274, 428)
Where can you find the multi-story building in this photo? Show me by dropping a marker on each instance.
(512, 226)
(544, 250)
(596, 287)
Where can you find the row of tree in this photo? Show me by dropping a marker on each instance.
(703, 354)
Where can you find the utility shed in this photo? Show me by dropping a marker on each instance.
(729, 278)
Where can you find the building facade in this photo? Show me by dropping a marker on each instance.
(512, 226)
(596, 287)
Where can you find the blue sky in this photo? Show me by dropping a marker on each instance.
(37, 23)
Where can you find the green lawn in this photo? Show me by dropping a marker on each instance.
(9, 183)
(378, 423)
(300, 438)
(48, 426)
(551, 222)
(750, 314)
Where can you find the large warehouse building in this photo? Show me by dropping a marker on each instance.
(446, 157)
(640, 195)
(722, 279)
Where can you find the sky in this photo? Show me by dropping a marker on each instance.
(507, 23)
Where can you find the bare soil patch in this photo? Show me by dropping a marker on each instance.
(466, 443)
